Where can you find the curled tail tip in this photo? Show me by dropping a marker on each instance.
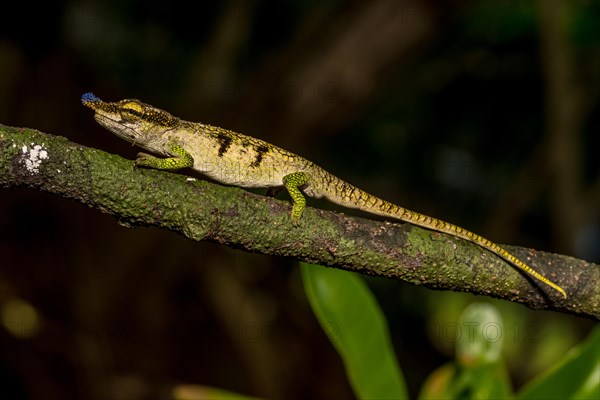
(558, 289)
(561, 290)
(89, 97)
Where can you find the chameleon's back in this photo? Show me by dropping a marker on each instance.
(235, 159)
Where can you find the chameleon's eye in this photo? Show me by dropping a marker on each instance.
(132, 109)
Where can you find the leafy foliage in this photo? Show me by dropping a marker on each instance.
(356, 326)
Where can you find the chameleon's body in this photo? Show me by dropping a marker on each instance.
(235, 159)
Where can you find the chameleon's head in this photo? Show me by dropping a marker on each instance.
(131, 119)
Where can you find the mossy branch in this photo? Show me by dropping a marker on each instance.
(202, 210)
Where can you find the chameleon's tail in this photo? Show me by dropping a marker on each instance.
(346, 195)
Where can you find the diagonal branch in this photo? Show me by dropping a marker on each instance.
(201, 210)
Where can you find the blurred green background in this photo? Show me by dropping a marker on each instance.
(482, 113)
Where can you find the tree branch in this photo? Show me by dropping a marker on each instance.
(202, 210)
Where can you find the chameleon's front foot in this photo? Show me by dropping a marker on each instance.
(147, 161)
(182, 159)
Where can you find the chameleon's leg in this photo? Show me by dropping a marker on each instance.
(181, 159)
(292, 182)
(274, 191)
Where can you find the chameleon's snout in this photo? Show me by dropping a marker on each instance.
(88, 98)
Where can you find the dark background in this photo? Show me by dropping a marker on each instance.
(482, 113)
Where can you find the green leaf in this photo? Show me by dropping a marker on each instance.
(482, 335)
(576, 376)
(478, 372)
(354, 323)
(440, 385)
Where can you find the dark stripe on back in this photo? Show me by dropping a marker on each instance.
(225, 142)
(260, 152)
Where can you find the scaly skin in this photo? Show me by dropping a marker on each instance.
(235, 159)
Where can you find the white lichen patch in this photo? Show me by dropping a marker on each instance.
(33, 157)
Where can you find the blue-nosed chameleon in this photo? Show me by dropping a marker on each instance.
(235, 159)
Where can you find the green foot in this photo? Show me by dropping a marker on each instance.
(292, 183)
(180, 159)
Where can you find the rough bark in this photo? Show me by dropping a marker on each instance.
(202, 210)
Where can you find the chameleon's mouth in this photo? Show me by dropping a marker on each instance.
(115, 126)
(108, 117)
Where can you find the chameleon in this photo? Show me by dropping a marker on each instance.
(235, 159)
